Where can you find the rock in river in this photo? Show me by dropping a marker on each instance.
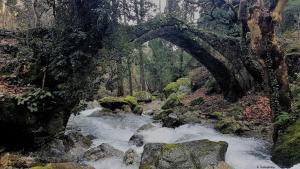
(189, 155)
(137, 140)
(102, 151)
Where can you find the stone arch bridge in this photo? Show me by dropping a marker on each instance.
(221, 55)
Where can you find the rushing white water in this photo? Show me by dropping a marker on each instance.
(242, 153)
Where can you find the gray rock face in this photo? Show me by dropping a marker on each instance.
(137, 140)
(68, 148)
(130, 157)
(102, 151)
(189, 155)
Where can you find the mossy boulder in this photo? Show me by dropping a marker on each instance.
(127, 104)
(138, 110)
(173, 100)
(143, 96)
(192, 155)
(286, 151)
(182, 85)
(228, 125)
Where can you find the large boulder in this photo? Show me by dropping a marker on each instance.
(70, 147)
(125, 104)
(286, 151)
(102, 151)
(190, 155)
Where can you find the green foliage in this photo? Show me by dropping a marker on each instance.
(295, 89)
(294, 47)
(283, 118)
(35, 100)
(198, 101)
(163, 65)
(171, 88)
(217, 115)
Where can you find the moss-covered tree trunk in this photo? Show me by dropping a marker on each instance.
(261, 22)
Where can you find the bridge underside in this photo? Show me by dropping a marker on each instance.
(221, 55)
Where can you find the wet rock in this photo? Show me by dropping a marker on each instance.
(137, 140)
(130, 157)
(191, 155)
(171, 121)
(68, 148)
(102, 151)
(145, 127)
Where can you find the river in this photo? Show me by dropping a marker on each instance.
(242, 153)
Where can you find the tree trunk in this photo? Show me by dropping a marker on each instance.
(120, 77)
(262, 25)
(142, 69)
(130, 76)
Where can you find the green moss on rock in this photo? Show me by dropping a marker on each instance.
(286, 151)
(173, 101)
(132, 101)
(169, 147)
(217, 115)
(228, 125)
(182, 85)
(128, 103)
